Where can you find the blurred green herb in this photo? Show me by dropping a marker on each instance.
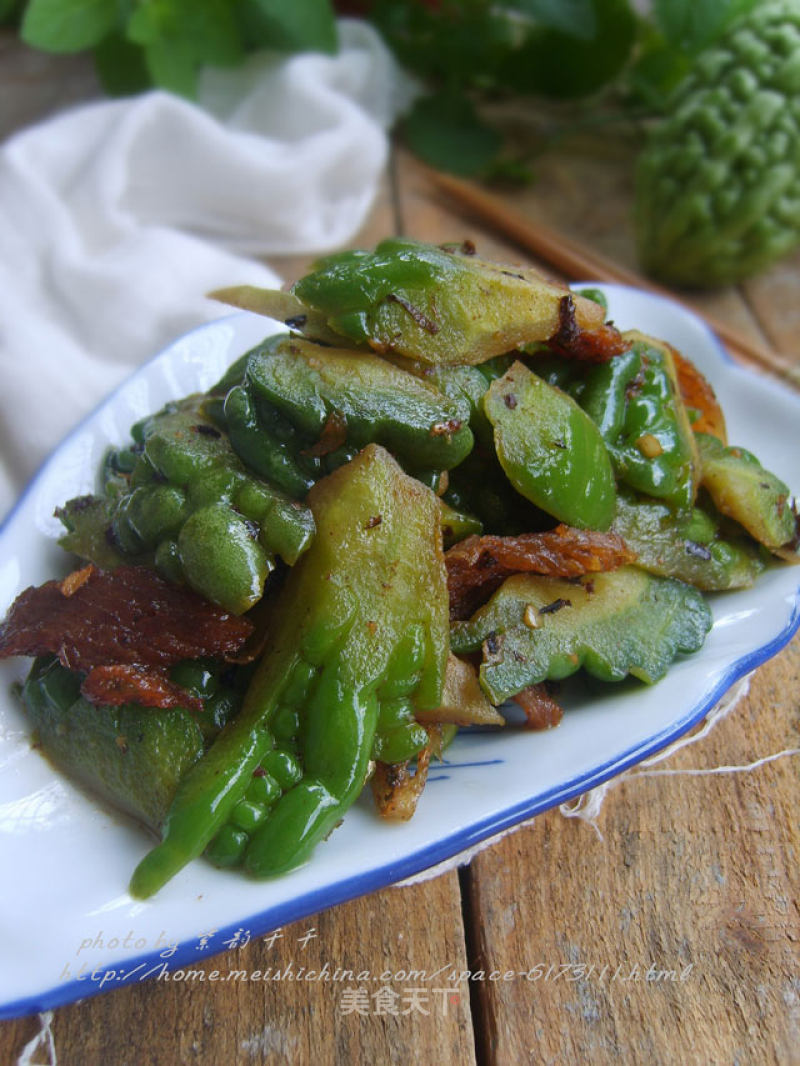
(165, 43)
(9, 11)
(599, 57)
(609, 61)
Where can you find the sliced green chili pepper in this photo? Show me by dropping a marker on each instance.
(550, 449)
(635, 401)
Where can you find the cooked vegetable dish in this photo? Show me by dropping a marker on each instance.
(447, 484)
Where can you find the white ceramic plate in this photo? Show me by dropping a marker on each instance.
(68, 927)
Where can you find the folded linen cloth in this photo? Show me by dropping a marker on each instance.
(116, 217)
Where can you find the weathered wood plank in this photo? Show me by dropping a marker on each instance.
(271, 1019)
(35, 85)
(694, 875)
(773, 298)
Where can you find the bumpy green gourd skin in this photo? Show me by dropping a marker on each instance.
(278, 771)
(294, 391)
(182, 499)
(718, 185)
(362, 621)
(611, 624)
(690, 547)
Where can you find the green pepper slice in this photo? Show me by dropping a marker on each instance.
(635, 401)
(551, 450)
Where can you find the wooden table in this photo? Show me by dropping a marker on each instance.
(697, 875)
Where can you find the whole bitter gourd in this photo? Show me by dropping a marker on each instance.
(718, 184)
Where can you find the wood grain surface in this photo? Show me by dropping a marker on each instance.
(681, 905)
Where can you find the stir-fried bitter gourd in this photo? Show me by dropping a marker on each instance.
(612, 624)
(691, 547)
(362, 620)
(185, 501)
(446, 371)
(743, 490)
(131, 755)
(302, 409)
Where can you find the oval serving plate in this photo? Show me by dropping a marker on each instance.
(69, 929)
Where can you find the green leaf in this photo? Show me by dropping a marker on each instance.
(446, 132)
(172, 66)
(180, 36)
(67, 25)
(553, 63)
(576, 18)
(9, 9)
(453, 43)
(692, 25)
(658, 69)
(121, 66)
(302, 25)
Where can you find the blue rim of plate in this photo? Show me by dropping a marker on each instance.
(448, 848)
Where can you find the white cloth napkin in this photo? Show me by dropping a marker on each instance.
(117, 217)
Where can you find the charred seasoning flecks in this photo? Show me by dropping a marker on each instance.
(700, 551)
(592, 346)
(465, 247)
(419, 316)
(556, 605)
(446, 429)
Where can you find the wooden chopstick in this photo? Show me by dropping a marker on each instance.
(580, 263)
